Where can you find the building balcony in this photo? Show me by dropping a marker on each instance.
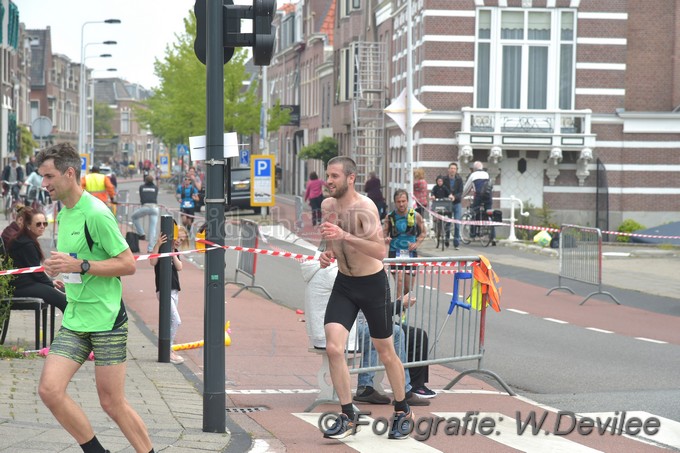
(568, 130)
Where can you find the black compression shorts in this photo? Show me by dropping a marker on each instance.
(370, 294)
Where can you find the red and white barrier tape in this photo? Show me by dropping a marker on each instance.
(536, 228)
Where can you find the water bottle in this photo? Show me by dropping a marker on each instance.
(404, 254)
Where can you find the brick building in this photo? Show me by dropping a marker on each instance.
(571, 104)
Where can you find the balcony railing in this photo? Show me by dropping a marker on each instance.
(568, 129)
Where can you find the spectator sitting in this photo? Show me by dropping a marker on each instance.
(24, 249)
(416, 350)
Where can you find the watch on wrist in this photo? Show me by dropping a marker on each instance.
(84, 267)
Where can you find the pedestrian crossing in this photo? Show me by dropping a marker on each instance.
(487, 429)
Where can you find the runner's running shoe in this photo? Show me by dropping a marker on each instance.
(402, 425)
(341, 428)
(424, 392)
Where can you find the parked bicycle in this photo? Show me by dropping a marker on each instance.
(443, 207)
(11, 197)
(482, 233)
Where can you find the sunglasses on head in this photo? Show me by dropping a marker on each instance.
(43, 224)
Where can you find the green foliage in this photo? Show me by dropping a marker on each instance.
(6, 288)
(26, 142)
(324, 150)
(103, 118)
(277, 116)
(628, 226)
(177, 109)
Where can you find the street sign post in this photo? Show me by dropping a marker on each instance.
(262, 180)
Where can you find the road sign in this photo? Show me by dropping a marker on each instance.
(84, 162)
(244, 156)
(262, 180)
(182, 150)
(164, 164)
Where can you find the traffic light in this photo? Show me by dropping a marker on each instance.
(261, 39)
(263, 47)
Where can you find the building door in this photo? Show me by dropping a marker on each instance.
(522, 175)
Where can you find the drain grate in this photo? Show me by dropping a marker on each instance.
(246, 410)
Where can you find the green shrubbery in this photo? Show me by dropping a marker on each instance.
(628, 226)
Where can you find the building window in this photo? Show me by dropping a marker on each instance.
(535, 63)
(35, 109)
(347, 76)
(125, 122)
(347, 6)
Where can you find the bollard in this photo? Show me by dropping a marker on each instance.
(164, 287)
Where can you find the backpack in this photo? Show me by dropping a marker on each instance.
(487, 190)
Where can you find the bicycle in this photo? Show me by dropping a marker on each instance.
(469, 232)
(11, 198)
(443, 207)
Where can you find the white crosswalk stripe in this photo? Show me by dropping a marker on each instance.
(669, 430)
(506, 434)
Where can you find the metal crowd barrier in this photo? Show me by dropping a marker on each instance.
(444, 325)
(581, 259)
(247, 262)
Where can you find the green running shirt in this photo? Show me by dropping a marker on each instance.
(93, 305)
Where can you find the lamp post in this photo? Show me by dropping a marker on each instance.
(82, 123)
(92, 116)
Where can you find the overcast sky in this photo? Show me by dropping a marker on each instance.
(147, 26)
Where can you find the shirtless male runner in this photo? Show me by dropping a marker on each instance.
(354, 236)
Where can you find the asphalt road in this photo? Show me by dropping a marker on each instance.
(564, 365)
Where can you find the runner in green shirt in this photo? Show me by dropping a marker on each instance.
(91, 255)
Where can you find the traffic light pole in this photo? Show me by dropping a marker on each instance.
(214, 394)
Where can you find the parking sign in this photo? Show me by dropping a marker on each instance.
(244, 156)
(261, 175)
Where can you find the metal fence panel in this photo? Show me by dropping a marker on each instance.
(581, 259)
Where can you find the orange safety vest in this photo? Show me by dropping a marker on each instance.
(95, 183)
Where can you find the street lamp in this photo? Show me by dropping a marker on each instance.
(93, 108)
(81, 113)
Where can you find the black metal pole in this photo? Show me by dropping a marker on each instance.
(164, 287)
(214, 394)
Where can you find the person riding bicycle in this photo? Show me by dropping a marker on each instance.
(479, 183)
(34, 192)
(12, 173)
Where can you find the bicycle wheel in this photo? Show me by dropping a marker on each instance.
(437, 229)
(485, 235)
(8, 205)
(465, 228)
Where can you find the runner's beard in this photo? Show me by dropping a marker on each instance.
(340, 190)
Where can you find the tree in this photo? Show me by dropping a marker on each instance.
(324, 150)
(177, 109)
(103, 118)
(27, 143)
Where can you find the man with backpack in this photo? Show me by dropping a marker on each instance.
(481, 185)
(404, 231)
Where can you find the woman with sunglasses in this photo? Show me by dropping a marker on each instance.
(24, 249)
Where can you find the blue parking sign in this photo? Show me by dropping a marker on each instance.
(244, 156)
(262, 167)
(83, 163)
